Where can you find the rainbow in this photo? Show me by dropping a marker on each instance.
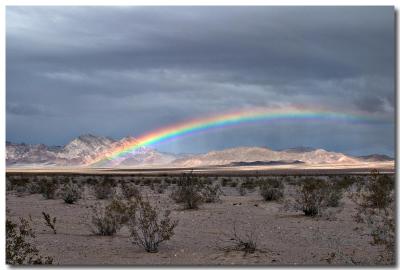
(221, 121)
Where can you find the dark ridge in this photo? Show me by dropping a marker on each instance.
(263, 163)
(300, 149)
(376, 157)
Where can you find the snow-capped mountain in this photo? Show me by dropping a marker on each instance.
(91, 150)
(82, 151)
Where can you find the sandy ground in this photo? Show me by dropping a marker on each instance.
(284, 238)
(384, 167)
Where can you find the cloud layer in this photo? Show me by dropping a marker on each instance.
(118, 71)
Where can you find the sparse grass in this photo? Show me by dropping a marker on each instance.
(245, 241)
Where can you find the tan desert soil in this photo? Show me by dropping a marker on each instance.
(284, 238)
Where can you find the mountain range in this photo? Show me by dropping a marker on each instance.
(85, 149)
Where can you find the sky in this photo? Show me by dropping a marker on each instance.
(119, 71)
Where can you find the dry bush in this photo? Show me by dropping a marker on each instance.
(345, 182)
(9, 186)
(188, 191)
(245, 241)
(103, 190)
(225, 182)
(375, 200)
(129, 190)
(147, 229)
(50, 222)
(334, 194)
(19, 246)
(312, 196)
(33, 187)
(242, 190)
(233, 184)
(161, 188)
(70, 193)
(272, 190)
(48, 188)
(377, 191)
(249, 184)
(107, 220)
(211, 193)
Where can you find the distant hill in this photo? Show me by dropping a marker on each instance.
(265, 163)
(86, 149)
(376, 158)
(262, 154)
(300, 149)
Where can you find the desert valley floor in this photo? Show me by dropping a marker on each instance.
(203, 236)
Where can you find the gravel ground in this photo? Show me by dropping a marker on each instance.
(202, 236)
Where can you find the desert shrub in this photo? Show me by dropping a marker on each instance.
(19, 246)
(161, 188)
(129, 190)
(272, 190)
(225, 182)
(245, 241)
(70, 193)
(50, 222)
(103, 190)
(334, 194)
(249, 184)
(345, 182)
(211, 193)
(33, 187)
(108, 219)
(377, 191)
(376, 208)
(122, 210)
(242, 190)
(147, 182)
(102, 222)
(291, 180)
(20, 190)
(147, 229)
(152, 186)
(312, 196)
(19, 183)
(188, 191)
(92, 181)
(233, 184)
(48, 188)
(9, 185)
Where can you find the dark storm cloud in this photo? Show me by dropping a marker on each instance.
(105, 69)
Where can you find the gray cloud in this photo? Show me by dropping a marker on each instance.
(127, 70)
